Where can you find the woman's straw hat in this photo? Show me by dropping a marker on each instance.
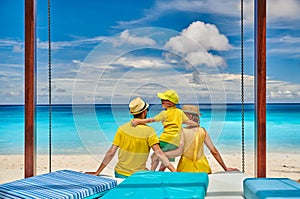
(170, 95)
(192, 109)
(137, 105)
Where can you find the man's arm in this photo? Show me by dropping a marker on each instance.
(106, 160)
(162, 157)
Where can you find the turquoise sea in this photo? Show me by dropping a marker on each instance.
(83, 129)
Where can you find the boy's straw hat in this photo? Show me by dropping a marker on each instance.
(192, 109)
(170, 95)
(137, 105)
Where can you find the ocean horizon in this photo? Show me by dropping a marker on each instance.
(90, 128)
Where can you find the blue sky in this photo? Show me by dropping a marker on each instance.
(112, 51)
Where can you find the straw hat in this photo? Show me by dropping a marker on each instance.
(170, 95)
(192, 109)
(137, 105)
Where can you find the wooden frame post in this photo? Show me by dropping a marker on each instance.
(260, 87)
(30, 89)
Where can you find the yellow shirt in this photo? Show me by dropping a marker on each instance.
(193, 159)
(172, 119)
(134, 146)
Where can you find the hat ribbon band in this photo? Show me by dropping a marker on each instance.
(142, 108)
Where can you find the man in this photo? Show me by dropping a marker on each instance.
(134, 145)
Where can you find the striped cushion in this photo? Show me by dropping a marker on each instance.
(59, 184)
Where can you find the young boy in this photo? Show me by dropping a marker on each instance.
(172, 119)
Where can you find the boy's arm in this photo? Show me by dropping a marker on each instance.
(136, 122)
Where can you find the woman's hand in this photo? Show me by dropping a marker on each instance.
(232, 169)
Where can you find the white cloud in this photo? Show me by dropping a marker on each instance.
(277, 91)
(120, 86)
(17, 49)
(77, 61)
(284, 9)
(9, 74)
(289, 39)
(195, 42)
(286, 46)
(207, 35)
(199, 57)
(225, 7)
(55, 45)
(9, 43)
(15, 46)
(276, 9)
(160, 8)
(141, 62)
(126, 38)
(282, 91)
(13, 93)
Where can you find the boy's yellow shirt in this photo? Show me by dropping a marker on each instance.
(134, 146)
(172, 119)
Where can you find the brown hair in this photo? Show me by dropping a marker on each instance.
(138, 115)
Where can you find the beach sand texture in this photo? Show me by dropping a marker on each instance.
(278, 165)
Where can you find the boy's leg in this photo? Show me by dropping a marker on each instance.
(167, 147)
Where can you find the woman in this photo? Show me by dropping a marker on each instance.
(191, 147)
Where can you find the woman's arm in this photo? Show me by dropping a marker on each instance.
(216, 153)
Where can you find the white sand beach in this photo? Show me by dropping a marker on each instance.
(278, 165)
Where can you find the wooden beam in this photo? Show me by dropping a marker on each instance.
(260, 87)
(30, 89)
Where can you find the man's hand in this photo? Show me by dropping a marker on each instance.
(154, 157)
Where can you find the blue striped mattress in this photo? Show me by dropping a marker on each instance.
(59, 184)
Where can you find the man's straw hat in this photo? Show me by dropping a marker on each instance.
(137, 105)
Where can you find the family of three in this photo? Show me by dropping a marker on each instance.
(134, 140)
